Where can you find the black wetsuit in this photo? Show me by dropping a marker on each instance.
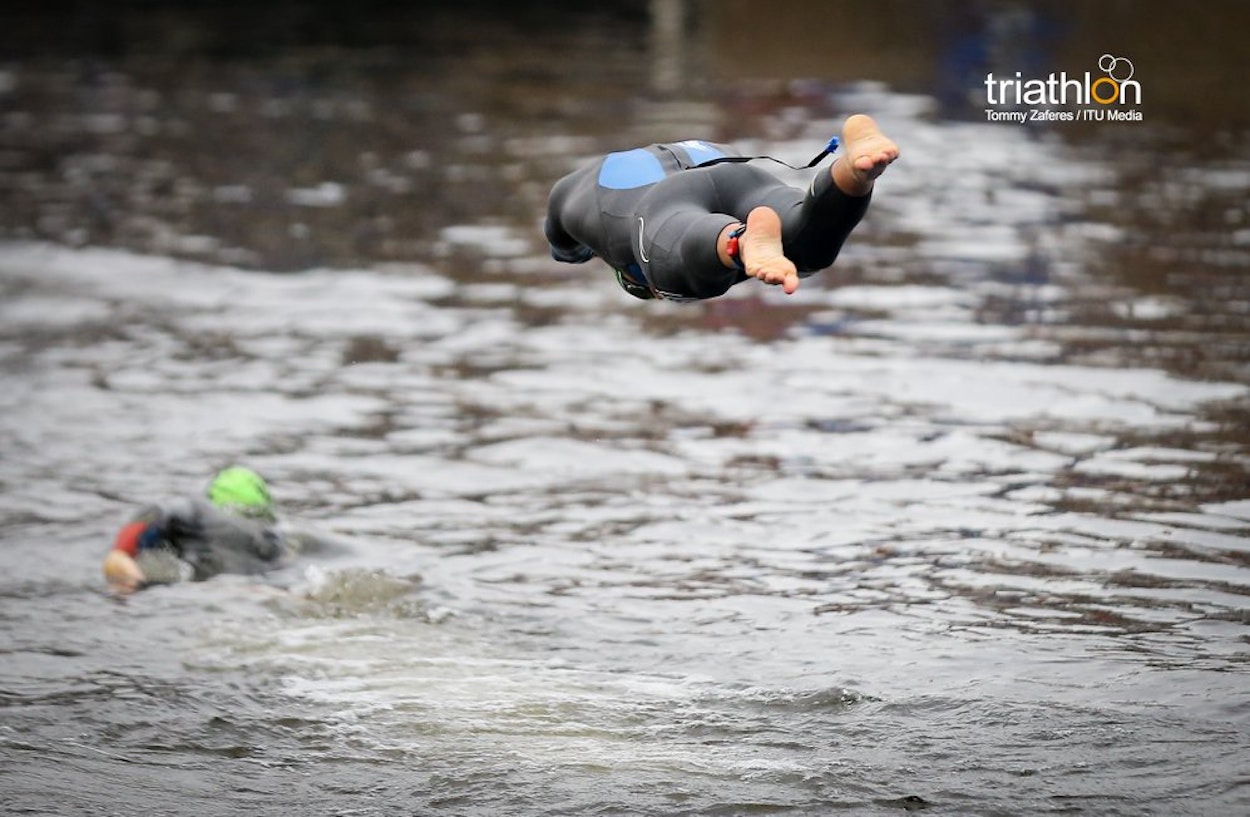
(192, 539)
(654, 215)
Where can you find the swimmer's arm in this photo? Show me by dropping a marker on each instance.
(564, 246)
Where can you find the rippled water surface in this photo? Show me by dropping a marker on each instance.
(963, 526)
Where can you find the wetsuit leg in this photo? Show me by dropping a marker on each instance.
(675, 234)
(815, 224)
(680, 219)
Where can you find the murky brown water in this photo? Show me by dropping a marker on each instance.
(963, 526)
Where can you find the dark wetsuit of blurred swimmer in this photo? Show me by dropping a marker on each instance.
(654, 215)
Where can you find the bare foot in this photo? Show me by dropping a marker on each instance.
(761, 251)
(867, 153)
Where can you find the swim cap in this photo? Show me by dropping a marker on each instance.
(241, 490)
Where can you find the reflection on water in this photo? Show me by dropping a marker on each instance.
(962, 526)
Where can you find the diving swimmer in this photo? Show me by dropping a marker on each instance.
(688, 220)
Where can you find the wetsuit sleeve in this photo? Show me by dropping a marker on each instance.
(251, 537)
(568, 227)
(224, 542)
(183, 527)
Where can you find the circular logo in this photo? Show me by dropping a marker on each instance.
(1109, 98)
(1114, 66)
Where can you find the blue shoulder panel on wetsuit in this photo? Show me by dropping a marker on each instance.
(632, 168)
(700, 152)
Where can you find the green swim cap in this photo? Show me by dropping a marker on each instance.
(242, 491)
